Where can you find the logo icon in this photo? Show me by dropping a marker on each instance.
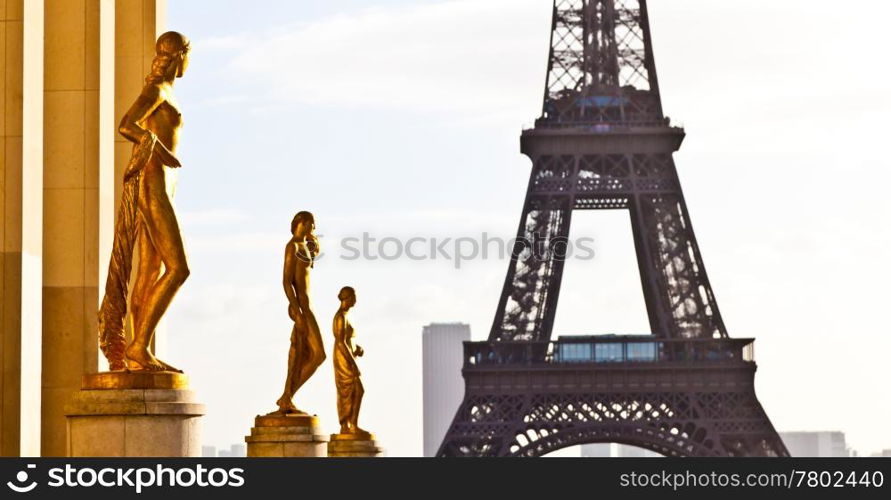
(20, 478)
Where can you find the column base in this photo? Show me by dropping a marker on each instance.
(352, 445)
(286, 436)
(134, 414)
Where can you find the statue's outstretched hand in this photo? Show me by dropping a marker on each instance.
(359, 351)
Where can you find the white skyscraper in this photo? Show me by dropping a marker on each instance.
(615, 450)
(443, 384)
(816, 444)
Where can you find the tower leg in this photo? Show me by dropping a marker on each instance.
(529, 299)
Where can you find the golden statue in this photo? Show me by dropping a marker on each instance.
(346, 371)
(146, 218)
(306, 352)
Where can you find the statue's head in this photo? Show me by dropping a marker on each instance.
(347, 296)
(171, 57)
(303, 225)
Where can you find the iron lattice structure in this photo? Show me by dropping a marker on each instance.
(602, 142)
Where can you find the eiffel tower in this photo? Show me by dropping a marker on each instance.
(602, 142)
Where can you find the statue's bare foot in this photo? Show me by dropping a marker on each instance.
(286, 407)
(355, 431)
(361, 432)
(296, 411)
(168, 368)
(139, 359)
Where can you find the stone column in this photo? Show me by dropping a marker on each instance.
(137, 24)
(70, 208)
(76, 184)
(52, 138)
(11, 26)
(21, 141)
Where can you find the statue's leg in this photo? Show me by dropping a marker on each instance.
(286, 402)
(298, 340)
(358, 392)
(147, 273)
(345, 401)
(163, 229)
(314, 353)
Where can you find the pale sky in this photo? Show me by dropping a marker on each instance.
(401, 118)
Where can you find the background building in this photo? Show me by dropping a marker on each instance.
(596, 450)
(615, 450)
(624, 451)
(443, 385)
(235, 450)
(816, 444)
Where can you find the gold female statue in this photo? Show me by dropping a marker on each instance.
(306, 352)
(346, 371)
(146, 217)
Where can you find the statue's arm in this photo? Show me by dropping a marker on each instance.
(145, 104)
(312, 244)
(288, 279)
(130, 127)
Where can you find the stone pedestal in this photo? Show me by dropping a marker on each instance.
(286, 436)
(351, 445)
(134, 414)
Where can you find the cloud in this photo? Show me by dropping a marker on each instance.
(235, 242)
(443, 219)
(231, 42)
(451, 55)
(213, 217)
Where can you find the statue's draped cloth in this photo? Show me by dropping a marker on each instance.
(113, 311)
(346, 377)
